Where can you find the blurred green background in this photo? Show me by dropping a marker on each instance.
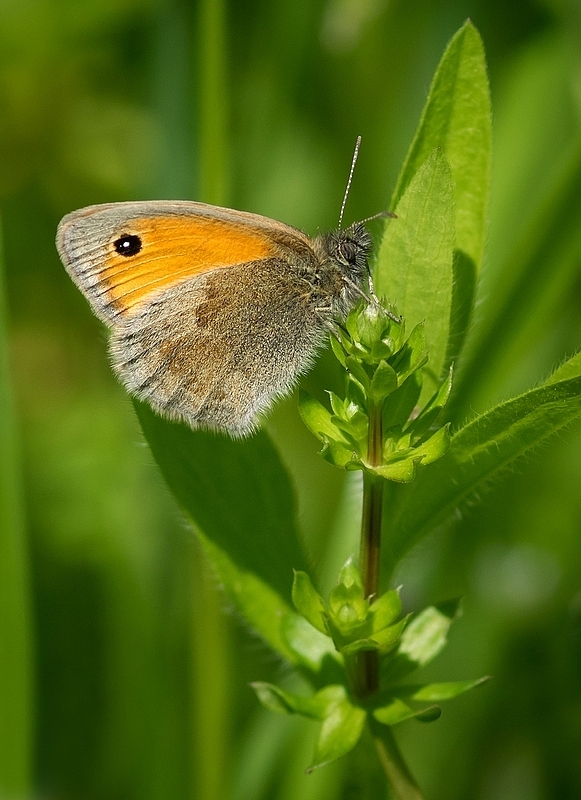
(138, 680)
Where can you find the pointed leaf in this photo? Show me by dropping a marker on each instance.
(340, 732)
(337, 454)
(571, 368)
(435, 447)
(317, 418)
(357, 370)
(478, 453)
(413, 354)
(422, 640)
(358, 646)
(432, 409)
(385, 610)
(309, 647)
(402, 470)
(347, 603)
(308, 601)
(319, 706)
(400, 404)
(354, 393)
(384, 381)
(397, 711)
(338, 350)
(415, 262)
(457, 118)
(386, 639)
(437, 692)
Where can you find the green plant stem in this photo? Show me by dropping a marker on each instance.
(367, 668)
(367, 663)
(393, 764)
(371, 533)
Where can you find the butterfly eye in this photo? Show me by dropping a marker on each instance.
(128, 245)
(348, 251)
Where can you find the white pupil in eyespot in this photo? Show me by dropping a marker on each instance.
(128, 245)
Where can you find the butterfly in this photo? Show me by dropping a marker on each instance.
(214, 313)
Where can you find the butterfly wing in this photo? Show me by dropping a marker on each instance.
(212, 316)
(178, 240)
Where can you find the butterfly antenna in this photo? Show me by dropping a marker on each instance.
(353, 162)
(380, 215)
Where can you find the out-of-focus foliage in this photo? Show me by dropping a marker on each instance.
(140, 681)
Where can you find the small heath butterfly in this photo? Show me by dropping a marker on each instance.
(213, 312)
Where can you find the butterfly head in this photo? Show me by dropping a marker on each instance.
(344, 258)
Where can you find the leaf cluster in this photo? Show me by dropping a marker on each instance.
(383, 373)
(347, 624)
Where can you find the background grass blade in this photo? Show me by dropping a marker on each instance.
(542, 271)
(16, 702)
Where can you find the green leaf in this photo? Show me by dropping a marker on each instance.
(536, 266)
(429, 714)
(400, 470)
(358, 371)
(432, 409)
(310, 648)
(415, 262)
(413, 353)
(358, 646)
(319, 706)
(384, 381)
(383, 640)
(422, 640)
(438, 692)
(241, 502)
(338, 350)
(308, 601)
(571, 368)
(435, 447)
(386, 638)
(337, 454)
(478, 453)
(400, 404)
(457, 118)
(347, 603)
(354, 430)
(385, 610)
(354, 392)
(463, 294)
(317, 418)
(340, 732)
(397, 711)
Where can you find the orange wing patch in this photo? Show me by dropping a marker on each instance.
(173, 250)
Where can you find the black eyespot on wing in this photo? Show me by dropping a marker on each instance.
(128, 245)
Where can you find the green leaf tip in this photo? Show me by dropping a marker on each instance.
(457, 118)
(308, 602)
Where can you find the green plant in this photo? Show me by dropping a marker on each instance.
(418, 467)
